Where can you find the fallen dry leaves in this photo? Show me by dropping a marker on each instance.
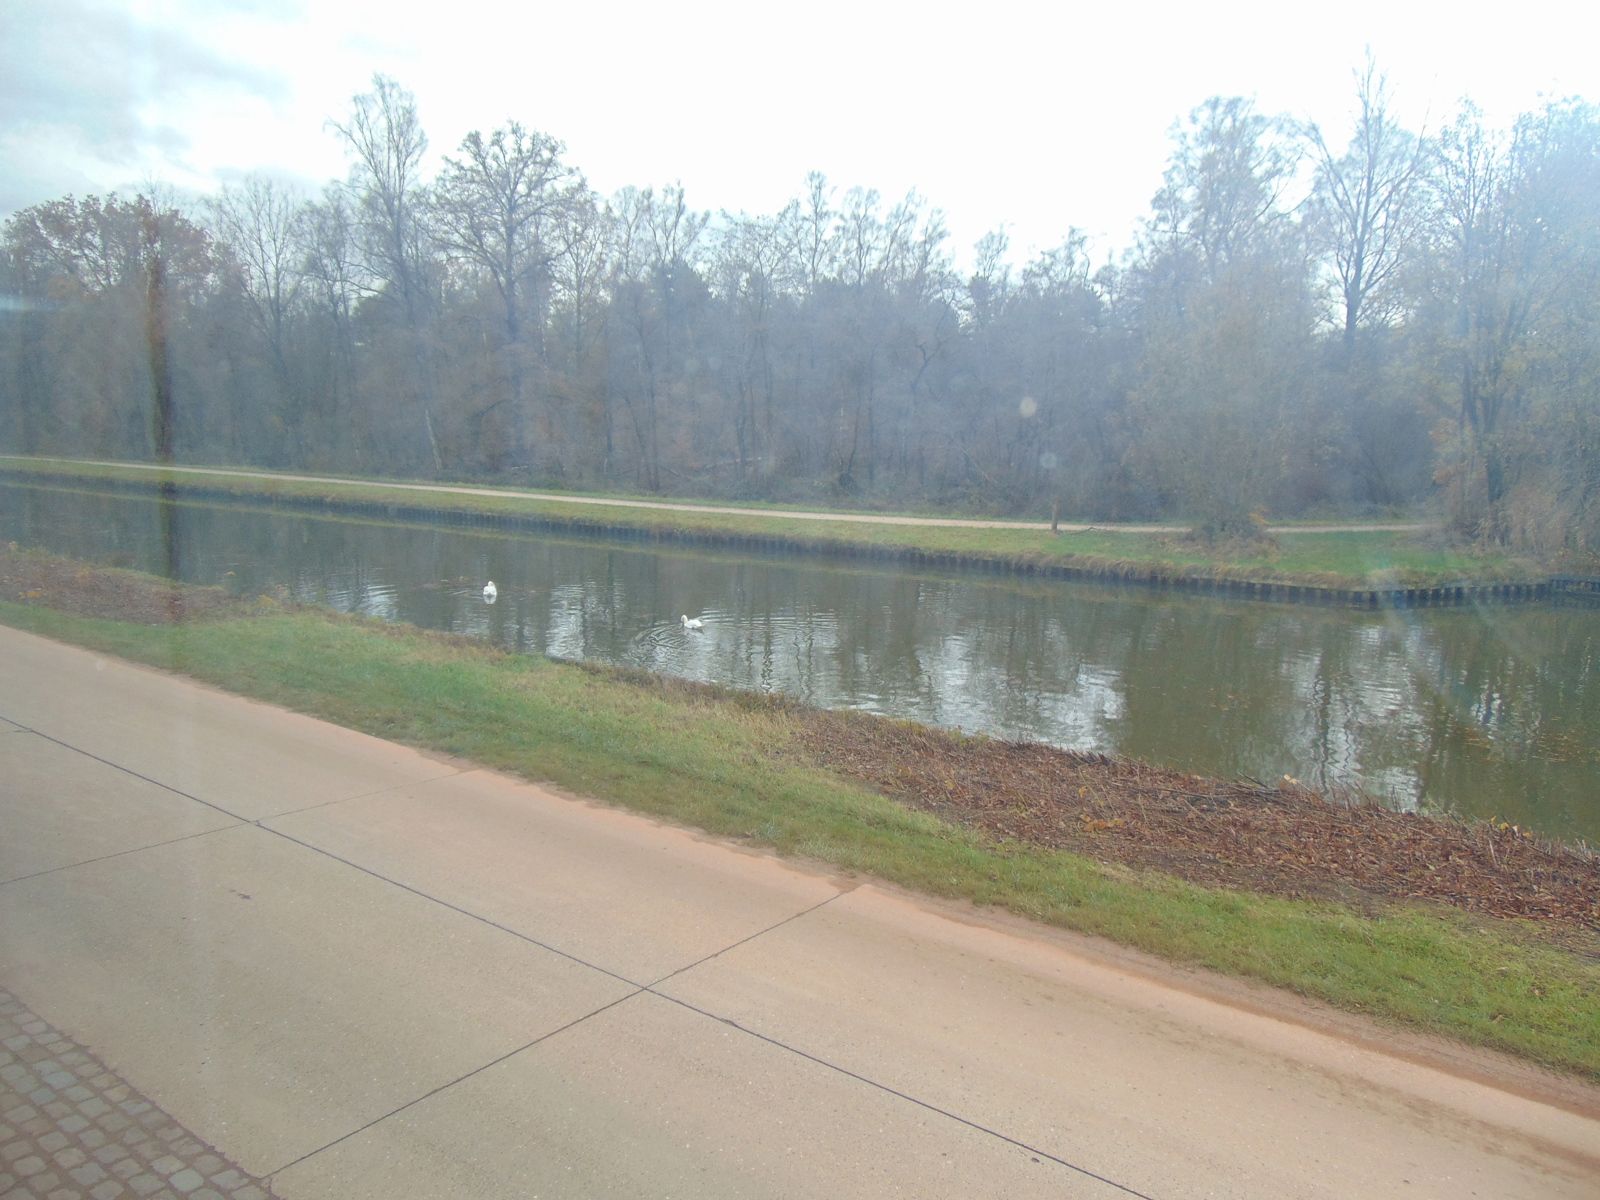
(1284, 839)
(33, 577)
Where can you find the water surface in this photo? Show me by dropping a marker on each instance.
(1487, 712)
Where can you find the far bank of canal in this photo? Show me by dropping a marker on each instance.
(1489, 711)
(1382, 565)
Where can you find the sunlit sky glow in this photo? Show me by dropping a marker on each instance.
(1000, 114)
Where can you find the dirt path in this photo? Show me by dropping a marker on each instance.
(730, 510)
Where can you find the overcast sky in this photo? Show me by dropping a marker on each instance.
(998, 113)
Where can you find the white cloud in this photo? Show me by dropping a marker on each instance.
(998, 115)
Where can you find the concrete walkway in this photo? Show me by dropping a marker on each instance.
(350, 969)
(849, 518)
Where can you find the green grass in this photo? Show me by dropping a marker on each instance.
(1381, 558)
(716, 761)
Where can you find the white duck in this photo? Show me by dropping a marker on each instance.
(490, 592)
(691, 622)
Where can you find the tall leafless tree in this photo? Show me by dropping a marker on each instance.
(1366, 203)
(385, 138)
(506, 205)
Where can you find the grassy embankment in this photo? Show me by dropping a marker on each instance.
(1377, 558)
(730, 764)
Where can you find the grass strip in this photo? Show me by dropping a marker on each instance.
(1368, 559)
(716, 760)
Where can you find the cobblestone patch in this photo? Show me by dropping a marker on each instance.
(71, 1128)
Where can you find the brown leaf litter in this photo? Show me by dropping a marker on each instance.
(1284, 839)
(47, 580)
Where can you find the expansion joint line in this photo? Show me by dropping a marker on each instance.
(125, 770)
(804, 912)
(1035, 1151)
(637, 989)
(450, 1083)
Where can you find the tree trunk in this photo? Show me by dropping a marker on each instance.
(1494, 478)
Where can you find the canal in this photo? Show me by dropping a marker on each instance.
(1484, 712)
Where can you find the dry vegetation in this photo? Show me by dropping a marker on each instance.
(1284, 839)
(33, 577)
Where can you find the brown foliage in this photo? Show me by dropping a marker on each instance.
(1285, 839)
(33, 577)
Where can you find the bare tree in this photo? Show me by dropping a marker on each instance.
(504, 205)
(810, 234)
(749, 260)
(385, 137)
(1225, 183)
(674, 227)
(989, 286)
(654, 237)
(1364, 207)
(579, 276)
(1514, 240)
(333, 272)
(263, 224)
(1224, 317)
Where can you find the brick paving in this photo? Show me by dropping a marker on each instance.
(70, 1128)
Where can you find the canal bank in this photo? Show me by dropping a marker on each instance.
(1359, 566)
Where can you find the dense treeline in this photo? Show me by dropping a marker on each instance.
(1306, 323)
